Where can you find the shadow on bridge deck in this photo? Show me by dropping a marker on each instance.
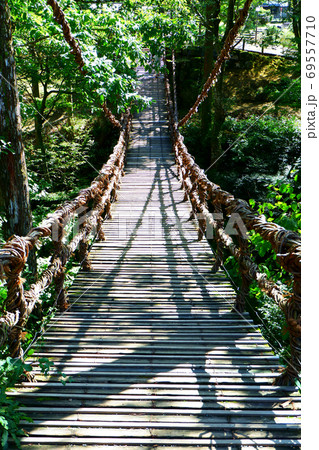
(157, 357)
(171, 365)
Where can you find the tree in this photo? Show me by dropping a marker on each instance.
(13, 172)
(211, 23)
(48, 74)
(296, 22)
(217, 16)
(164, 25)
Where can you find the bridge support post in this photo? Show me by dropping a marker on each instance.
(292, 310)
(84, 255)
(219, 253)
(202, 191)
(59, 278)
(62, 302)
(15, 304)
(100, 236)
(245, 278)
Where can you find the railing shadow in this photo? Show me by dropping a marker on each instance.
(174, 344)
(198, 359)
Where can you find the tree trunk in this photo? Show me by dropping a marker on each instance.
(210, 53)
(230, 17)
(218, 118)
(219, 112)
(38, 139)
(13, 172)
(38, 120)
(206, 108)
(296, 22)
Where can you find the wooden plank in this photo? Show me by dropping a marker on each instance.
(160, 400)
(99, 377)
(149, 447)
(165, 412)
(165, 388)
(151, 431)
(57, 338)
(155, 441)
(91, 364)
(208, 424)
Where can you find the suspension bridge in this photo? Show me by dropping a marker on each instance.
(152, 347)
(149, 343)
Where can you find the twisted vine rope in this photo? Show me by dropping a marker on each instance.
(224, 54)
(174, 85)
(59, 16)
(203, 193)
(13, 255)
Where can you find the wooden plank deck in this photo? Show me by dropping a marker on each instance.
(157, 358)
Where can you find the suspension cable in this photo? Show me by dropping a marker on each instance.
(224, 54)
(59, 17)
(174, 86)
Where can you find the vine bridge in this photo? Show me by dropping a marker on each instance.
(152, 341)
(152, 347)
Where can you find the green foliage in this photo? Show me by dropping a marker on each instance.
(270, 37)
(48, 75)
(287, 39)
(288, 92)
(10, 418)
(11, 370)
(75, 152)
(5, 146)
(163, 25)
(258, 16)
(274, 36)
(161, 31)
(193, 135)
(45, 365)
(260, 151)
(3, 293)
(269, 34)
(271, 319)
(283, 207)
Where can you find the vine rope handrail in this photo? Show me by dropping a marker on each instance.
(14, 254)
(205, 196)
(224, 54)
(59, 17)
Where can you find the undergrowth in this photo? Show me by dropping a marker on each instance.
(284, 208)
(11, 371)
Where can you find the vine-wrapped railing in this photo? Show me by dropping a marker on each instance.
(211, 205)
(94, 201)
(223, 55)
(59, 17)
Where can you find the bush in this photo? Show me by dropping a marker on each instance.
(260, 151)
(283, 207)
(270, 37)
(197, 143)
(10, 371)
(287, 89)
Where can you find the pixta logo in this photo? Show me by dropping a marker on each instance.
(71, 226)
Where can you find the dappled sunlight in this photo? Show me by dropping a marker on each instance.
(150, 351)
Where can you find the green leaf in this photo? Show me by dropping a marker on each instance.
(4, 439)
(4, 423)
